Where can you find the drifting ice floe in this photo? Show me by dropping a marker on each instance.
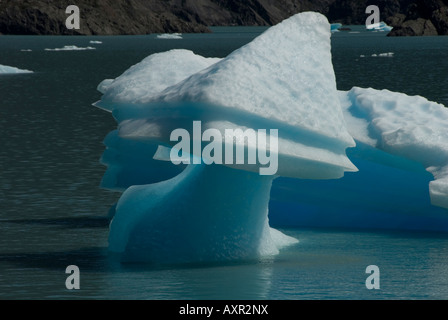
(169, 36)
(385, 54)
(9, 70)
(381, 55)
(70, 48)
(382, 26)
(282, 80)
(334, 27)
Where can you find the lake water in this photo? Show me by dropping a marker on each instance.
(53, 214)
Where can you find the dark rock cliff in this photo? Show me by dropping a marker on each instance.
(112, 17)
(420, 18)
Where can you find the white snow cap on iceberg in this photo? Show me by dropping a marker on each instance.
(283, 80)
(150, 77)
(408, 126)
(285, 74)
(9, 70)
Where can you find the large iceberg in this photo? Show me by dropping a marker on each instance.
(220, 211)
(282, 84)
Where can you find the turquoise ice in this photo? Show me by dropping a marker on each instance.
(364, 158)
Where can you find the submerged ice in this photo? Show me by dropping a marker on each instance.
(282, 80)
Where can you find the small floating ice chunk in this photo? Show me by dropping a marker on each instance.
(170, 36)
(382, 26)
(70, 48)
(382, 55)
(95, 42)
(12, 70)
(335, 27)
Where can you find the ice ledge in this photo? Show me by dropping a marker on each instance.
(402, 125)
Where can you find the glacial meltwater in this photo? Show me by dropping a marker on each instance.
(53, 212)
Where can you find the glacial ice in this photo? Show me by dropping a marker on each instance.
(130, 161)
(335, 27)
(382, 26)
(297, 69)
(402, 157)
(172, 36)
(8, 70)
(381, 55)
(220, 212)
(70, 48)
(406, 126)
(150, 77)
(283, 79)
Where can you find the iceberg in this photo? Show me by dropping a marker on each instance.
(382, 26)
(11, 70)
(381, 55)
(219, 212)
(360, 158)
(335, 27)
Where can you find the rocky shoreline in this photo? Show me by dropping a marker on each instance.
(422, 18)
(130, 17)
